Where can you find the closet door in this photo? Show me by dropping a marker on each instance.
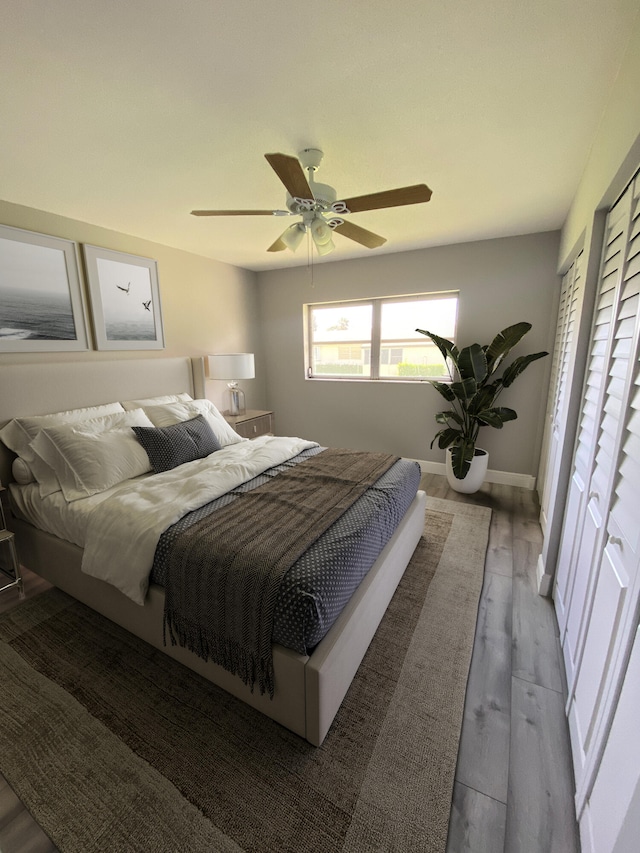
(582, 527)
(613, 620)
(615, 797)
(597, 591)
(571, 296)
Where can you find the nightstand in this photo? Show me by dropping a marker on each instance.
(252, 424)
(9, 565)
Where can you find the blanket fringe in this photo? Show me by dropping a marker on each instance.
(211, 646)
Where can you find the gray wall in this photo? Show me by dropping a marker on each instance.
(500, 281)
(207, 306)
(213, 307)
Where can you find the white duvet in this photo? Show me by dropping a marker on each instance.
(123, 530)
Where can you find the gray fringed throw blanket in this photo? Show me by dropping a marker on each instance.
(223, 573)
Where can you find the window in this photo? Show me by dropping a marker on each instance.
(376, 338)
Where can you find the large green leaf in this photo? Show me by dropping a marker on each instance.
(444, 388)
(518, 365)
(503, 342)
(448, 349)
(449, 415)
(496, 417)
(461, 457)
(484, 398)
(472, 362)
(446, 437)
(464, 390)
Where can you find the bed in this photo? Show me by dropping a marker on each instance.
(310, 685)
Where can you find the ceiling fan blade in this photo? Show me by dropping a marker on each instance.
(277, 246)
(388, 198)
(360, 235)
(289, 170)
(241, 213)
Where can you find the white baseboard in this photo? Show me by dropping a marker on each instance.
(505, 478)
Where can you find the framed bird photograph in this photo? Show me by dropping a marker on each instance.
(125, 300)
(41, 306)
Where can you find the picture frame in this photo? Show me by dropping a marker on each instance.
(41, 303)
(125, 300)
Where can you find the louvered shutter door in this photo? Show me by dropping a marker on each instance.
(574, 298)
(611, 621)
(545, 474)
(561, 337)
(626, 502)
(583, 515)
(598, 578)
(563, 355)
(625, 508)
(600, 348)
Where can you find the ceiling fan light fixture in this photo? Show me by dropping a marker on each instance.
(325, 248)
(322, 233)
(292, 237)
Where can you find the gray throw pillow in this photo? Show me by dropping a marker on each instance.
(170, 446)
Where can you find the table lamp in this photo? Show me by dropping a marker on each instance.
(232, 366)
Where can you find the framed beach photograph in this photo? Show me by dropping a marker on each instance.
(125, 300)
(41, 306)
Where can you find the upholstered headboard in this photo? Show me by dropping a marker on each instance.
(37, 389)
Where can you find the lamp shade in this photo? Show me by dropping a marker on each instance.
(232, 365)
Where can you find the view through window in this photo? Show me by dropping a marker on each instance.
(376, 338)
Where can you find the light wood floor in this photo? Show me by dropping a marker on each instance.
(514, 786)
(514, 782)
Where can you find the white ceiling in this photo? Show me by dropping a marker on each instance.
(130, 113)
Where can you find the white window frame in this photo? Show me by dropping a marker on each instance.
(375, 343)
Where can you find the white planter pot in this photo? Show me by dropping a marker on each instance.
(475, 476)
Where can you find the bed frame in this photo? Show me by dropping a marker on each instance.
(308, 689)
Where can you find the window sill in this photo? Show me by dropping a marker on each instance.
(382, 381)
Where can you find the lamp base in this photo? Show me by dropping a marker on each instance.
(237, 400)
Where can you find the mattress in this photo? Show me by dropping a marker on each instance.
(315, 590)
(64, 519)
(317, 587)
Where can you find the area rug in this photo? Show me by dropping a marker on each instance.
(114, 747)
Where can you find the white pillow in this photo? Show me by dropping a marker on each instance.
(22, 472)
(155, 401)
(44, 473)
(172, 413)
(88, 458)
(20, 432)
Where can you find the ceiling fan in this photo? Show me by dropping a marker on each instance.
(317, 204)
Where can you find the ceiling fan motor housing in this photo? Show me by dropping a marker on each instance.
(310, 158)
(323, 197)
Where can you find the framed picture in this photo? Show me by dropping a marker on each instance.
(41, 307)
(125, 300)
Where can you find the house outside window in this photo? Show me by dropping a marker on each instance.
(376, 338)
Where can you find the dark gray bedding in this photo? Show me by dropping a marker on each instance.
(315, 590)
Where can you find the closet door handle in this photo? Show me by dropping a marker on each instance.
(594, 495)
(615, 540)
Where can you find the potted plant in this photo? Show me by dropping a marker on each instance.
(472, 393)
